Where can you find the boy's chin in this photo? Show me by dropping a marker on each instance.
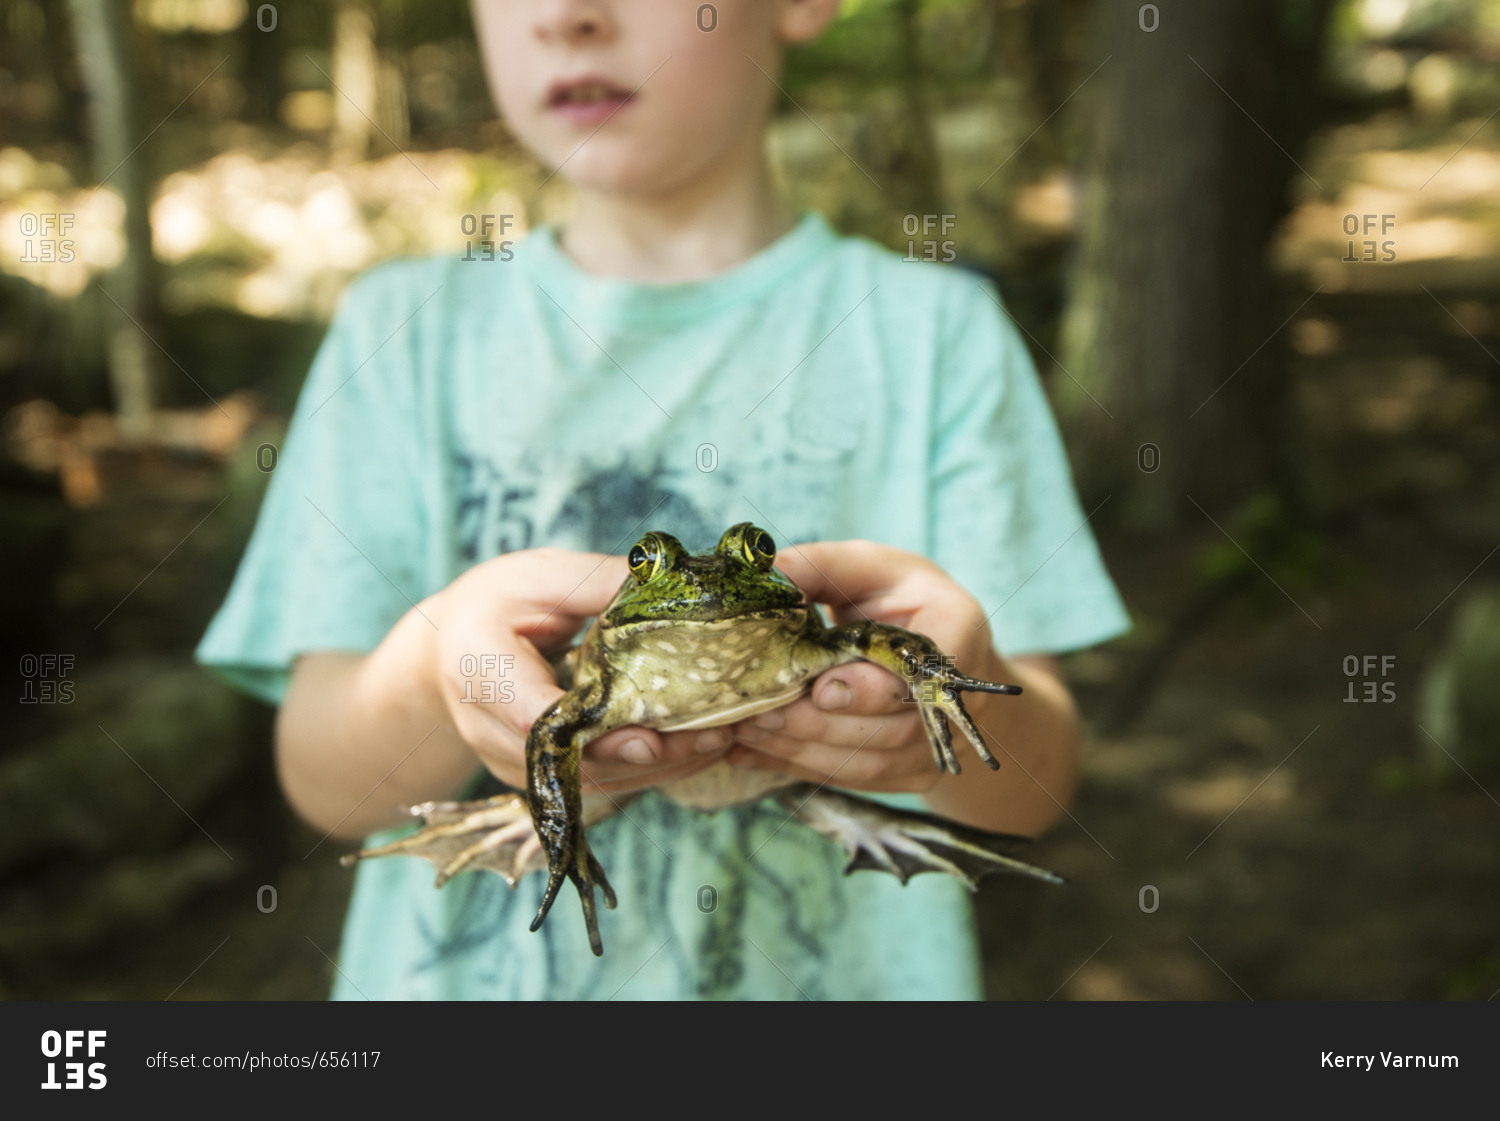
(625, 174)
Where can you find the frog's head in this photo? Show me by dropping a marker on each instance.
(737, 578)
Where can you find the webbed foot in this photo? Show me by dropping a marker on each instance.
(904, 842)
(493, 834)
(488, 834)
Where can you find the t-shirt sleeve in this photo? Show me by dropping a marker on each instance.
(336, 556)
(1008, 523)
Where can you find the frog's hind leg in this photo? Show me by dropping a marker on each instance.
(905, 842)
(936, 684)
(554, 787)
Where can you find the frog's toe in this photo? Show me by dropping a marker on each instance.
(936, 684)
(603, 881)
(905, 843)
(492, 834)
(938, 687)
(572, 859)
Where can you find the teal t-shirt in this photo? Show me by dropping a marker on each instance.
(824, 389)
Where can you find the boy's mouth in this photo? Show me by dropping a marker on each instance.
(587, 100)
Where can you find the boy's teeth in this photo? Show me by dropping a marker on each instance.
(592, 92)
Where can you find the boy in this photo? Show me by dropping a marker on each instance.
(473, 446)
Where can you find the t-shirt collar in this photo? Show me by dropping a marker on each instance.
(611, 298)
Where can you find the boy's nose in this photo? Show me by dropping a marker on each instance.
(572, 21)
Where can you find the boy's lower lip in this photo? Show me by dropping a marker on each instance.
(590, 112)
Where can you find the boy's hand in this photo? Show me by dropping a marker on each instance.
(520, 607)
(856, 727)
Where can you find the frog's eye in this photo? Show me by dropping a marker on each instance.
(653, 554)
(643, 558)
(748, 543)
(760, 550)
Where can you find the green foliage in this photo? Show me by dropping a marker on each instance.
(1268, 542)
(867, 49)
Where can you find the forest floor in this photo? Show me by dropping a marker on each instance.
(1258, 834)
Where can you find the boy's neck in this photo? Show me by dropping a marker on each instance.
(697, 230)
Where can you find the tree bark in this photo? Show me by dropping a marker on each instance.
(101, 30)
(261, 56)
(1171, 338)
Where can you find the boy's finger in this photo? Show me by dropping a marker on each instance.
(860, 690)
(523, 687)
(614, 778)
(804, 723)
(573, 584)
(837, 766)
(838, 572)
(640, 746)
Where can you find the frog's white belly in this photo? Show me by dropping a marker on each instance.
(685, 675)
(722, 785)
(736, 710)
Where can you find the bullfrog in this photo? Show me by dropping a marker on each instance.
(697, 641)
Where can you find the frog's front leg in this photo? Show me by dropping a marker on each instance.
(936, 684)
(554, 785)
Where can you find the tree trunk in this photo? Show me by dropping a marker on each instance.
(261, 56)
(1172, 336)
(101, 29)
(917, 165)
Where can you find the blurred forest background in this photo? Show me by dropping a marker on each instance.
(1252, 244)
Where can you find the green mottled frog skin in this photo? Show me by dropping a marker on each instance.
(696, 642)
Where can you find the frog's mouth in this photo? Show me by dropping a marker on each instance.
(721, 618)
(693, 610)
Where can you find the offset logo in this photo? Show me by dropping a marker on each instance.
(66, 1045)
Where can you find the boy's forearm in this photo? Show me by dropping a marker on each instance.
(1035, 736)
(360, 736)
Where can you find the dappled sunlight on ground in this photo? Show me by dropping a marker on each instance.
(281, 236)
(1433, 204)
(276, 236)
(52, 233)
